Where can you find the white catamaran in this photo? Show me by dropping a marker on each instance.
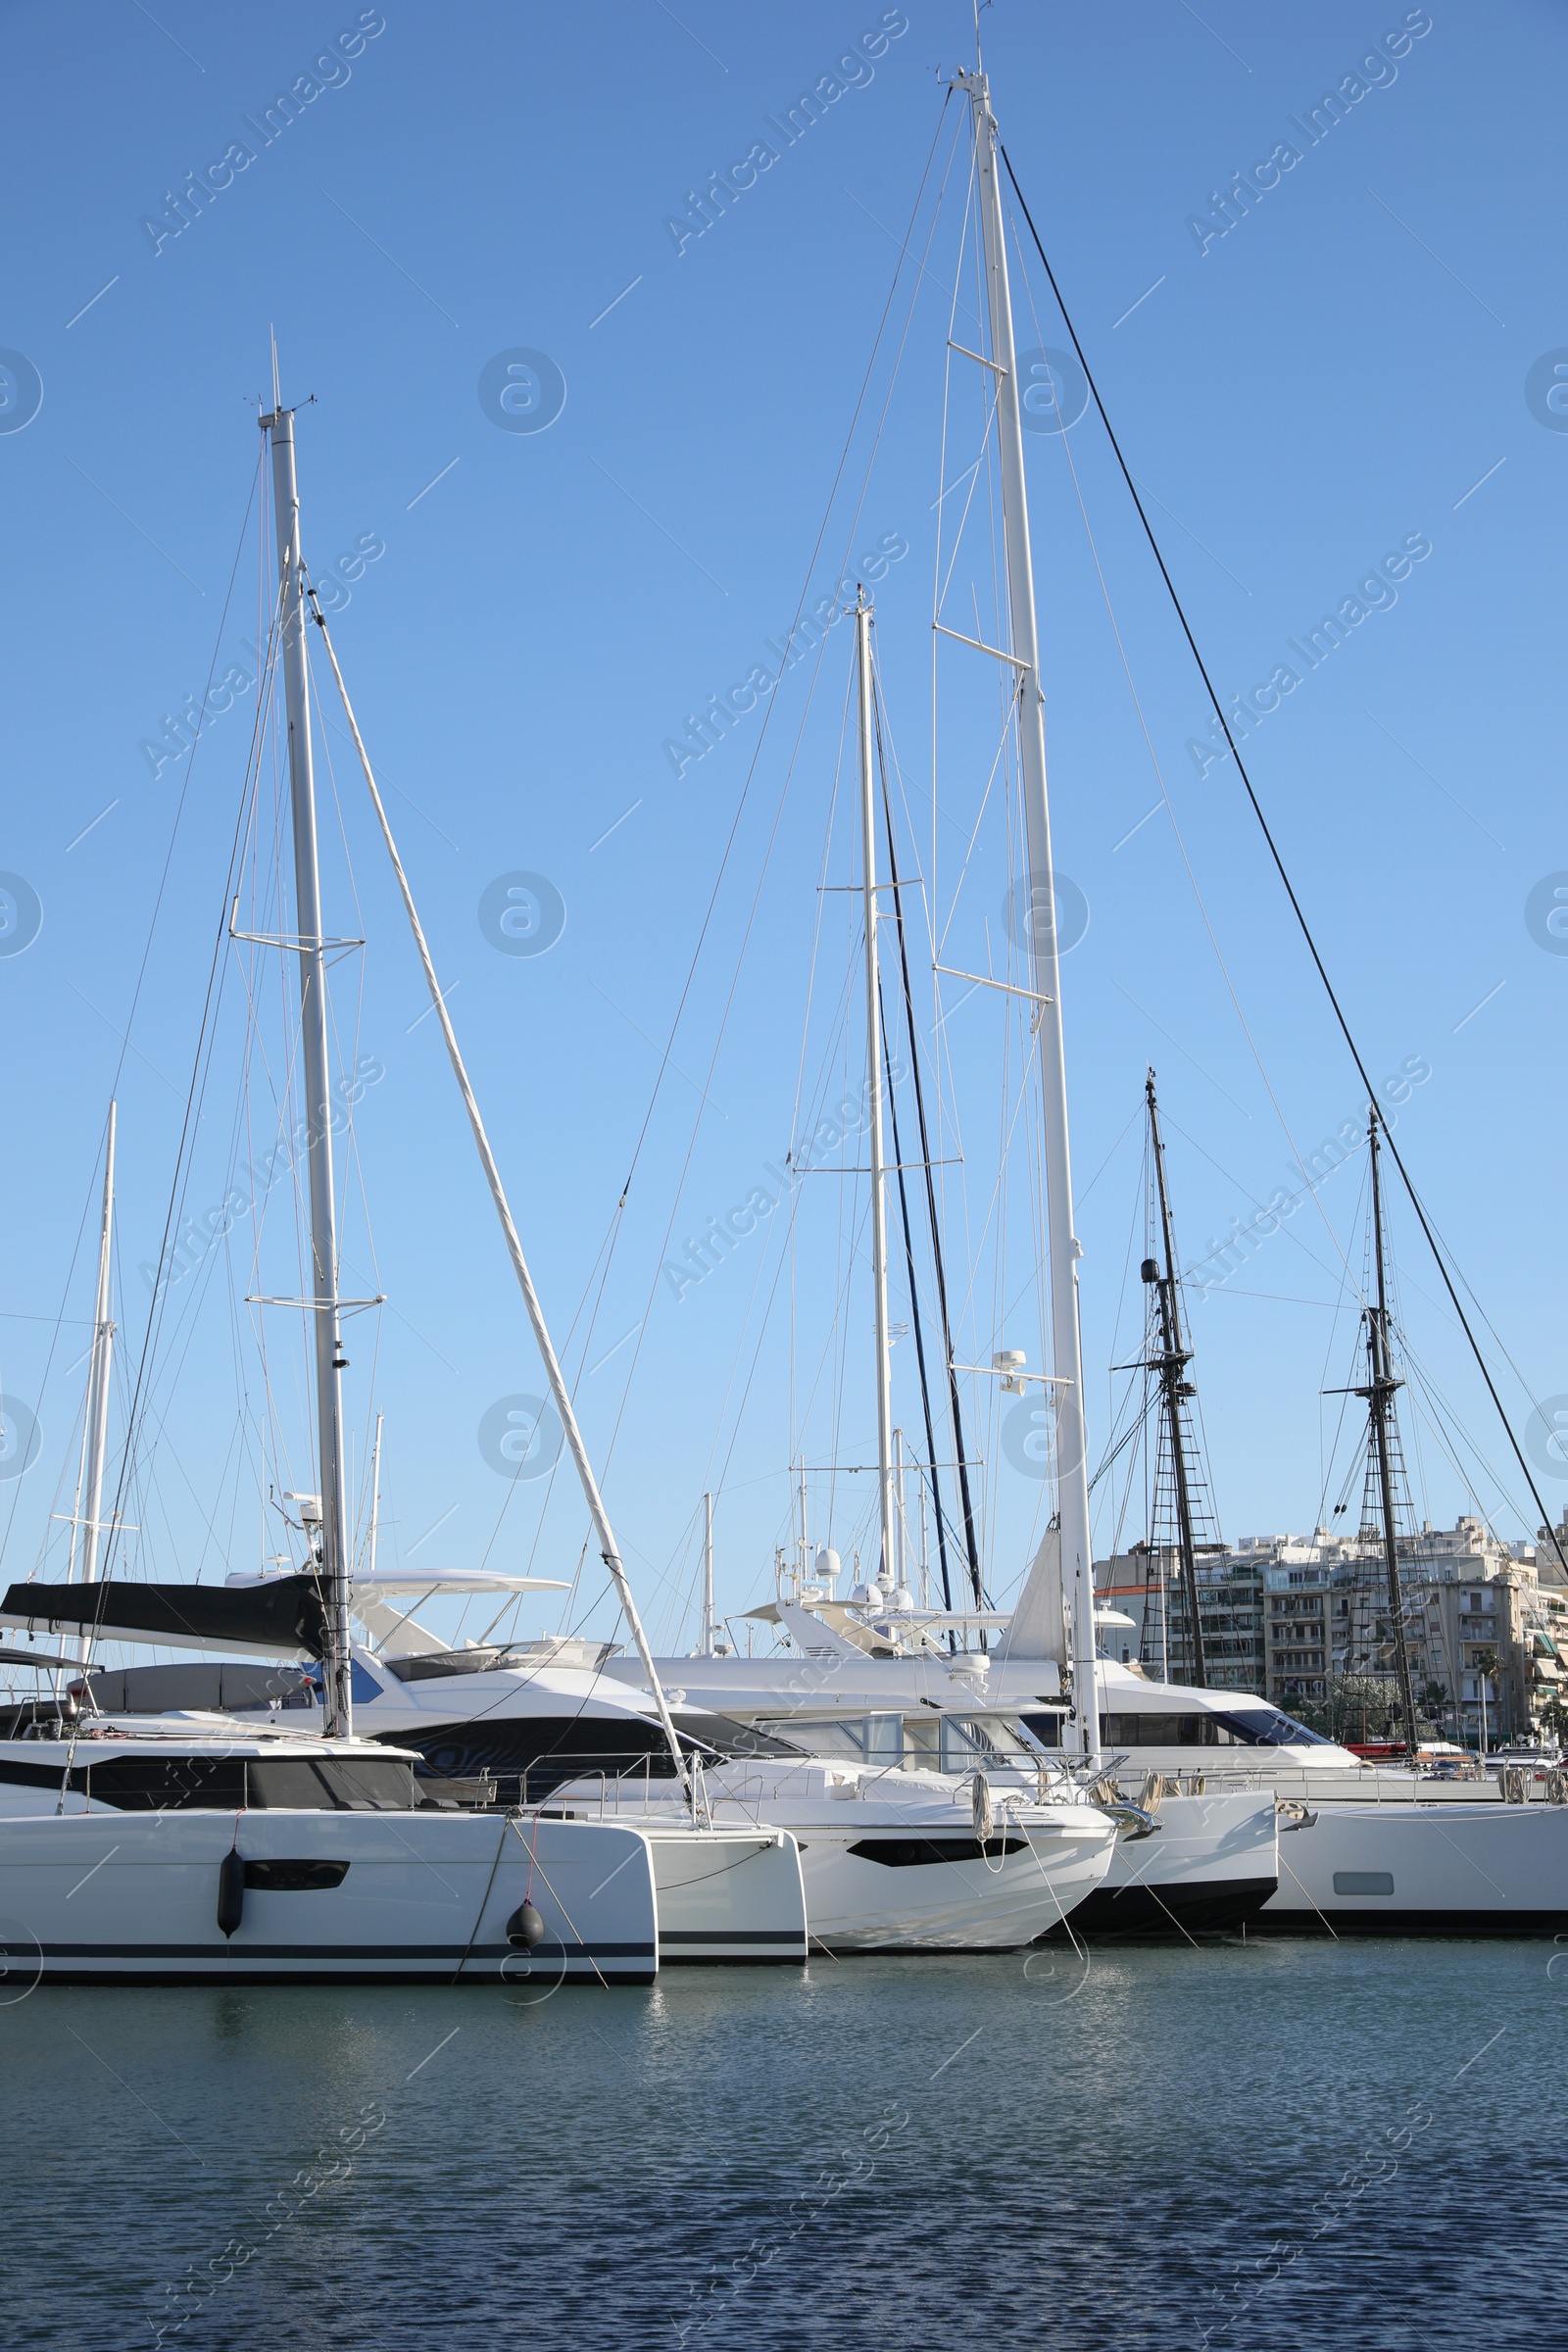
(184, 1850)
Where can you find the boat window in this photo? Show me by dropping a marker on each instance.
(332, 1783)
(874, 1738)
(727, 1738)
(907, 1853)
(157, 1783)
(1364, 1882)
(824, 1735)
(1036, 1730)
(1238, 1727)
(1151, 1730)
(997, 1740)
(966, 1743)
(1266, 1727)
(295, 1878)
(433, 1665)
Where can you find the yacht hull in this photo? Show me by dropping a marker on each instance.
(1423, 1869)
(870, 1892)
(728, 1894)
(891, 1862)
(1209, 1865)
(374, 1896)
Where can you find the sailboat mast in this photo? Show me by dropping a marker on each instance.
(708, 1576)
(311, 945)
(1072, 1461)
(1379, 1392)
(873, 1069)
(95, 1440)
(1171, 1364)
(376, 1494)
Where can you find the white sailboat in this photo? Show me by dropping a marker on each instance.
(186, 1850)
(906, 1859)
(876, 1662)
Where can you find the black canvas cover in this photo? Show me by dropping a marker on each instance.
(281, 1619)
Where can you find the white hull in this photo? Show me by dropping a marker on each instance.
(732, 1893)
(1424, 1868)
(898, 1867)
(134, 1897)
(1210, 1862)
(995, 1903)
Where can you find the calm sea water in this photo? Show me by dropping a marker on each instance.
(1281, 2144)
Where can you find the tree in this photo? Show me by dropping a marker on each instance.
(1554, 1718)
(1363, 1707)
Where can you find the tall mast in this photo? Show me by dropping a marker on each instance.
(1379, 1392)
(1171, 1364)
(95, 1434)
(376, 1494)
(708, 1576)
(310, 942)
(900, 1570)
(873, 1069)
(1072, 1463)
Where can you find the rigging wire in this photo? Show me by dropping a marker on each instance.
(756, 757)
(954, 1408)
(1297, 908)
(141, 975)
(140, 1398)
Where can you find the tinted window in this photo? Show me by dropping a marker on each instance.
(1241, 1727)
(1151, 1731)
(1266, 1727)
(295, 1878)
(726, 1738)
(430, 1665)
(337, 1784)
(152, 1784)
(911, 1853)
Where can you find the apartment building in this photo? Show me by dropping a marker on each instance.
(1146, 1585)
(1293, 1616)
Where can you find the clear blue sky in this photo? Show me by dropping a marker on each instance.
(1340, 376)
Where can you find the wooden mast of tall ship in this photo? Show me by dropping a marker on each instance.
(1169, 1363)
(1379, 1392)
